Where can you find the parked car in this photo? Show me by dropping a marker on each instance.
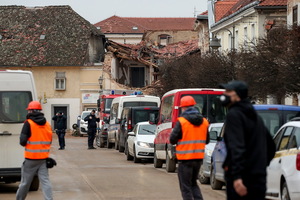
(83, 125)
(116, 110)
(139, 144)
(129, 118)
(274, 116)
(283, 180)
(214, 132)
(208, 103)
(17, 89)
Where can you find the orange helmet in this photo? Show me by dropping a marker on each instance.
(34, 105)
(187, 101)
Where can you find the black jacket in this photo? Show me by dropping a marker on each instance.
(26, 132)
(92, 122)
(250, 147)
(60, 121)
(194, 117)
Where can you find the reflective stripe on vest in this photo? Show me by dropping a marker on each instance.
(38, 145)
(192, 144)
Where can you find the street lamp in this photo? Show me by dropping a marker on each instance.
(215, 43)
(100, 79)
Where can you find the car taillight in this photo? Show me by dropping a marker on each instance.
(298, 162)
(129, 126)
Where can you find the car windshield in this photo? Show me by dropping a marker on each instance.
(143, 115)
(139, 103)
(107, 105)
(13, 106)
(271, 120)
(84, 115)
(210, 107)
(147, 129)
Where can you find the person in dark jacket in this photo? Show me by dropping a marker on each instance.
(250, 147)
(92, 128)
(60, 119)
(190, 135)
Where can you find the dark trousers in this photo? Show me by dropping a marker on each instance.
(256, 187)
(61, 138)
(91, 136)
(188, 172)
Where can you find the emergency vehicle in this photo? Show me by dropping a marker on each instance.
(209, 105)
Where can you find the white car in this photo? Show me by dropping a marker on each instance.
(140, 141)
(283, 180)
(204, 173)
(83, 125)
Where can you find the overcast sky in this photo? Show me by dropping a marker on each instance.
(98, 10)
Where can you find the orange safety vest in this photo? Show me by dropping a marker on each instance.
(192, 144)
(38, 145)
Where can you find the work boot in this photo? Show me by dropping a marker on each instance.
(91, 148)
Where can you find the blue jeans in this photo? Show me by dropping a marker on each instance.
(61, 138)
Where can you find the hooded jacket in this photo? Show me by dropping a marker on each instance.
(194, 117)
(250, 147)
(61, 121)
(38, 118)
(92, 123)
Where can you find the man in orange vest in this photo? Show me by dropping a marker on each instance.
(36, 137)
(190, 135)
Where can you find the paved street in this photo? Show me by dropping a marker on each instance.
(84, 174)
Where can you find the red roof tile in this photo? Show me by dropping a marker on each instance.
(273, 3)
(116, 24)
(222, 7)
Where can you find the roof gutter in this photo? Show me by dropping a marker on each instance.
(253, 4)
(270, 7)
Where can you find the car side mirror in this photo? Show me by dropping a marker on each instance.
(131, 134)
(152, 119)
(213, 135)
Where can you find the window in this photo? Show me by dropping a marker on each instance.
(288, 115)
(229, 41)
(107, 105)
(285, 138)
(164, 39)
(147, 129)
(60, 81)
(237, 40)
(166, 109)
(295, 139)
(253, 34)
(114, 111)
(143, 115)
(295, 15)
(271, 120)
(246, 38)
(139, 103)
(13, 106)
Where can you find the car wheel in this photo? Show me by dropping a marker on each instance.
(285, 192)
(135, 159)
(109, 145)
(157, 162)
(214, 183)
(116, 144)
(101, 145)
(121, 149)
(202, 178)
(35, 184)
(128, 156)
(170, 164)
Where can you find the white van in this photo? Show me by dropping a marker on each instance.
(83, 124)
(117, 106)
(17, 89)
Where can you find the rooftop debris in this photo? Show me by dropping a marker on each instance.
(151, 54)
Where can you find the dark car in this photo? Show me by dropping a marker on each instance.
(129, 118)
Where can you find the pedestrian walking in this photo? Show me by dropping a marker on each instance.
(92, 128)
(60, 119)
(36, 137)
(190, 134)
(250, 147)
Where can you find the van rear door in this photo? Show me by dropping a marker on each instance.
(16, 91)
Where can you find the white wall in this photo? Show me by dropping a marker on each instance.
(73, 109)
